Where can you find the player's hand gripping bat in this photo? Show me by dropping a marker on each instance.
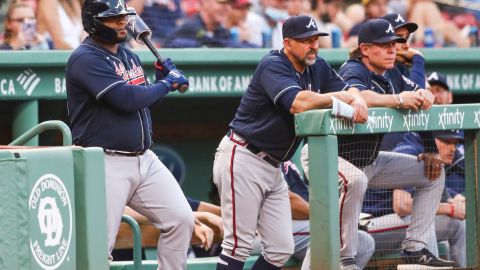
(141, 33)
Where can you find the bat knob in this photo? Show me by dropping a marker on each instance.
(183, 88)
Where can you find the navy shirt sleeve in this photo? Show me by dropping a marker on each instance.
(417, 72)
(102, 81)
(354, 75)
(194, 204)
(411, 144)
(278, 79)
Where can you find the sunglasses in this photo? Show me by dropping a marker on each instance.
(21, 20)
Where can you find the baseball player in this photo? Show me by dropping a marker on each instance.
(370, 69)
(108, 99)
(391, 208)
(253, 193)
(299, 197)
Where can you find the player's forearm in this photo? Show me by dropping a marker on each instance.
(374, 99)
(300, 208)
(308, 100)
(211, 208)
(444, 209)
(128, 98)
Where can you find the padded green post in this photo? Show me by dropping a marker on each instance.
(90, 207)
(472, 191)
(324, 215)
(25, 117)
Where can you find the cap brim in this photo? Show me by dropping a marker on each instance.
(389, 39)
(411, 27)
(440, 83)
(309, 34)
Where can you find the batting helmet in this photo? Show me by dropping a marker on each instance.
(94, 10)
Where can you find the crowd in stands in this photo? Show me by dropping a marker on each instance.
(56, 24)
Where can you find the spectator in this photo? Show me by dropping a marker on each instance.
(21, 29)
(61, 19)
(237, 24)
(275, 13)
(331, 18)
(392, 208)
(205, 29)
(373, 9)
(427, 15)
(299, 198)
(362, 165)
(162, 16)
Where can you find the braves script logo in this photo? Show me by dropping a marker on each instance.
(49, 203)
(311, 23)
(132, 76)
(390, 29)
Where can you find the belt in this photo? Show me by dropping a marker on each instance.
(255, 150)
(124, 153)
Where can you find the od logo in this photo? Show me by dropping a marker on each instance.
(51, 228)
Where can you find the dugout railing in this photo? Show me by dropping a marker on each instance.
(322, 129)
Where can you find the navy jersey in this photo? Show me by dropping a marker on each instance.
(417, 71)
(362, 150)
(108, 99)
(294, 180)
(263, 117)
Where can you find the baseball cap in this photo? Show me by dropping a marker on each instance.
(241, 3)
(448, 134)
(437, 78)
(398, 21)
(378, 31)
(300, 27)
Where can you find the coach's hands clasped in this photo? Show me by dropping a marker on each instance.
(420, 99)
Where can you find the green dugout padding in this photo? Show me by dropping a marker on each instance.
(14, 228)
(90, 208)
(53, 210)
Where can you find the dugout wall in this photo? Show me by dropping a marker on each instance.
(321, 128)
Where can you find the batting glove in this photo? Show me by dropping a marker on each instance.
(163, 68)
(175, 79)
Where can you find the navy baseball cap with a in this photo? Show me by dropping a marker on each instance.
(299, 27)
(378, 31)
(448, 134)
(398, 21)
(437, 78)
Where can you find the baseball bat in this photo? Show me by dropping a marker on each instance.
(141, 32)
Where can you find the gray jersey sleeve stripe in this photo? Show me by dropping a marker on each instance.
(106, 89)
(283, 91)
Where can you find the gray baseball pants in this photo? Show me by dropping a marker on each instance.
(148, 187)
(390, 230)
(254, 197)
(389, 171)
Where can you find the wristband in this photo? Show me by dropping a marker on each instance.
(400, 100)
(452, 210)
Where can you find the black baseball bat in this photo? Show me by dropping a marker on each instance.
(140, 31)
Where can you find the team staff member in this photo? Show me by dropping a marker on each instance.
(409, 62)
(253, 193)
(108, 99)
(366, 165)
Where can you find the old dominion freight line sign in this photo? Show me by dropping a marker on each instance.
(51, 226)
(34, 83)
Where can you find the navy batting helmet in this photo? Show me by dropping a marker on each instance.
(94, 10)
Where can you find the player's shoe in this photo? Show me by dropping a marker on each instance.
(422, 259)
(348, 263)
